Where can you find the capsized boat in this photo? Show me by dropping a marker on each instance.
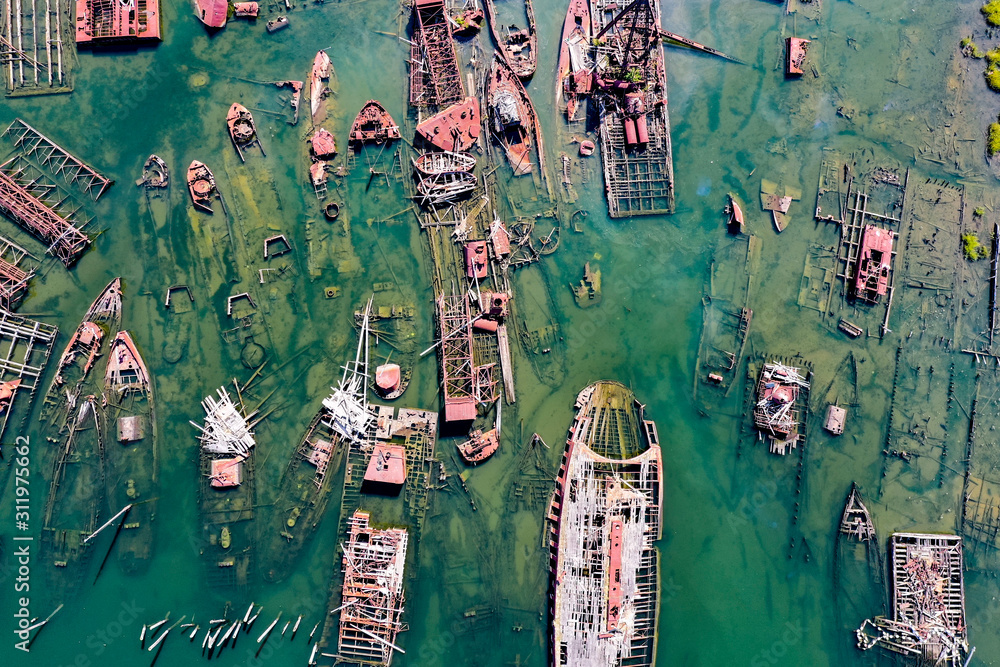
(201, 185)
(132, 463)
(89, 341)
(74, 502)
(154, 173)
(430, 164)
(736, 221)
(321, 70)
(373, 123)
(213, 13)
(574, 74)
(518, 46)
(604, 520)
(513, 122)
(242, 129)
(445, 188)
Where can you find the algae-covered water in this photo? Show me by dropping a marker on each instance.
(751, 572)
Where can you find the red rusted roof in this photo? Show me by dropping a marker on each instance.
(323, 144)
(874, 263)
(459, 409)
(387, 377)
(98, 21)
(213, 12)
(454, 129)
(475, 259)
(226, 473)
(387, 465)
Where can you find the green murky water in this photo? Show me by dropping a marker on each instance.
(749, 573)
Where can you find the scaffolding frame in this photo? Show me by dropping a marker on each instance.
(435, 80)
(928, 601)
(25, 346)
(457, 370)
(38, 207)
(373, 592)
(31, 46)
(36, 145)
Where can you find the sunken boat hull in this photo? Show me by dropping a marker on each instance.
(88, 344)
(573, 80)
(394, 328)
(513, 122)
(519, 47)
(242, 129)
(201, 185)
(373, 124)
(303, 494)
(227, 493)
(132, 475)
(605, 516)
(74, 502)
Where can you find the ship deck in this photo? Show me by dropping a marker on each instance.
(637, 181)
(605, 516)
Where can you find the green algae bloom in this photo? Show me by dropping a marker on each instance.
(972, 248)
(992, 75)
(993, 139)
(991, 10)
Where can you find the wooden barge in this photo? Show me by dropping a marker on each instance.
(928, 602)
(777, 405)
(132, 461)
(100, 22)
(74, 501)
(517, 46)
(605, 516)
(635, 128)
(227, 495)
